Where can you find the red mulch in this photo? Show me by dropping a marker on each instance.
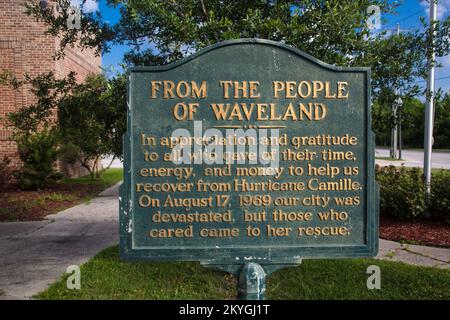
(423, 232)
(17, 205)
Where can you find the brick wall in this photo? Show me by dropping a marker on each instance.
(24, 48)
(83, 62)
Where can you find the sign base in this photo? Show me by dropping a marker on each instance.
(251, 277)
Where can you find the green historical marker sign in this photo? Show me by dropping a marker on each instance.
(248, 153)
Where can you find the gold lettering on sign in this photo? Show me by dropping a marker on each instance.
(183, 89)
(314, 190)
(310, 89)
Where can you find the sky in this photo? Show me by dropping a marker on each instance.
(408, 14)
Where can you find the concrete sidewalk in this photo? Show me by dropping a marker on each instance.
(36, 254)
(415, 255)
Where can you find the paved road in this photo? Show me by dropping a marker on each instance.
(414, 158)
(35, 254)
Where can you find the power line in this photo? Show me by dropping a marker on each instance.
(441, 78)
(404, 18)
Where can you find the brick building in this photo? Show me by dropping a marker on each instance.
(25, 49)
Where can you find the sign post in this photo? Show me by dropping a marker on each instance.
(248, 156)
(252, 282)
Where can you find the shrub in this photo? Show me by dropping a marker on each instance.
(69, 153)
(402, 191)
(38, 152)
(439, 206)
(6, 173)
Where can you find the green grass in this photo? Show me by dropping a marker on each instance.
(416, 149)
(107, 277)
(56, 196)
(388, 158)
(107, 178)
(441, 150)
(346, 279)
(434, 150)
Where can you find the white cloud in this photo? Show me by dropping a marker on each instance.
(443, 7)
(89, 5)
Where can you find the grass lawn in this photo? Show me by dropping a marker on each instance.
(388, 158)
(415, 149)
(107, 178)
(106, 277)
(17, 205)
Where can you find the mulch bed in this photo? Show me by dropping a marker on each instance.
(17, 205)
(421, 232)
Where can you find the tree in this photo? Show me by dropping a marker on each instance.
(442, 122)
(413, 122)
(162, 31)
(334, 31)
(396, 61)
(78, 122)
(92, 121)
(381, 119)
(115, 116)
(47, 90)
(35, 129)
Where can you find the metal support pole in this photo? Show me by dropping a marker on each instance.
(399, 109)
(252, 282)
(394, 133)
(394, 130)
(429, 111)
(400, 139)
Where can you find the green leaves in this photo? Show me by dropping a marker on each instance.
(93, 119)
(38, 153)
(93, 32)
(402, 191)
(334, 31)
(83, 121)
(48, 91)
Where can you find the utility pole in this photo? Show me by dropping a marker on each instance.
(429, 111)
